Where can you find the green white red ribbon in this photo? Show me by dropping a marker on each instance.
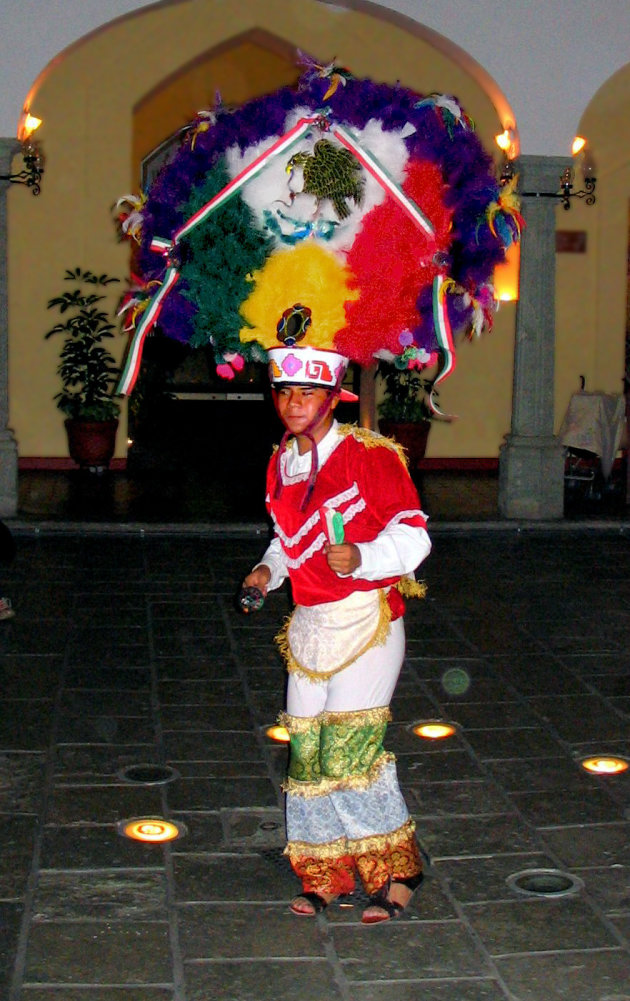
(133, 358)
(378, 172)
(444, 335)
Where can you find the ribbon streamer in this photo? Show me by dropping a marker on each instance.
(131, 367)
(380, 174)
(444, 336)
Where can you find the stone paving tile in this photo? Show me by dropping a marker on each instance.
(212, 745)
(217, 794)
(10, 918)
(534, 774)
(201, 879)
(120, 895)
(25, 726)
(461, 837)
(26, 677)
(83, 763)
(201, 692)
(428, 990)
(95, 847)
(220, 769)
(70, 952)
(547, 809)
(240, 931)
(217, 717)
(204, 832)
(103, 701)
(448, 799)
(526, 925)
(106, 729)
(119, 655)
(609, 887)
(66, 993)
(478, 715)
(484, 879)
(259, 830)
(580, 976)
(17, 836)
(21, 782)
(437, 766)
(524, 742)
(118, 679)
(196, 667)
(259, 980)
(101, 804)
(407, 950)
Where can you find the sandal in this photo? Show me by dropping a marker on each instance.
(391, 908)
(317, 902)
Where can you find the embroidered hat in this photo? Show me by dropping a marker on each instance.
(300, 366)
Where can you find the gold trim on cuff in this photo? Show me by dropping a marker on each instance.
(381, 842)
(326, 786)
(327, 850)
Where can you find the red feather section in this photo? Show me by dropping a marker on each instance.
(392, 261)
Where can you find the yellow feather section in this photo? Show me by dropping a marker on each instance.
(308, 275)
(409, 587)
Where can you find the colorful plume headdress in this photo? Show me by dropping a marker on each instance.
(343, 214)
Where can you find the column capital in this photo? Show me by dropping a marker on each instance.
(540, 175)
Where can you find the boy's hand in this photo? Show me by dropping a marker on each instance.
(343, 559)
(259, 577)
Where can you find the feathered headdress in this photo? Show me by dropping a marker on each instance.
(359, 218)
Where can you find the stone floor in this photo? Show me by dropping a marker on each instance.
(127, 649)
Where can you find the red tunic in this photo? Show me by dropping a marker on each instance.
(365, 480)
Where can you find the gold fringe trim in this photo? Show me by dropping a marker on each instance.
(358, 717)
(378, 638)
(380, 842)
(299, 724)
(409, 587)
(372, 439)
(326, 786)
(348, 846)
(327, 850)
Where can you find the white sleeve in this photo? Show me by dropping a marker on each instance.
(397, 550)
(274, 558)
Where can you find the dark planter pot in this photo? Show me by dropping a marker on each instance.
(91, 443)
(412, 435)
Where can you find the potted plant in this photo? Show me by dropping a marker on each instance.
(87, 369)
(404, 413)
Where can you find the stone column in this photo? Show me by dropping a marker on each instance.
(8, 444)
(531, 461)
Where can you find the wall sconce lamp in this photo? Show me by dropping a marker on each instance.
(31, 173)
(566, 190)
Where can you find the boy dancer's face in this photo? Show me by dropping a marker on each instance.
(298, 407)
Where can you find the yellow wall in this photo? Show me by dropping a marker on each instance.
(591, 287)
(103, 103)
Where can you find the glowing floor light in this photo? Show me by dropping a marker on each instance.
(279, 733)
(434, 729)
(604, 765)
(150, 829)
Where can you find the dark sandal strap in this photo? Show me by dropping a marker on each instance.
(317, 903)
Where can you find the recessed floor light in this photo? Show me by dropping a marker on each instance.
(549, 883)
(279, 733)
(604, 764)
(152, 830)
(148, 774)
(434, 729)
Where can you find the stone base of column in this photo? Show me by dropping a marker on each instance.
(8, 475)
(531, 478)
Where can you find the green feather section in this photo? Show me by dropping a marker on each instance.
(218, 255)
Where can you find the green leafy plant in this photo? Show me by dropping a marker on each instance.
(406, 394)
(88, 371)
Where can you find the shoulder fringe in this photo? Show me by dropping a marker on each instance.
(372, 439)
(409, 587)
(377, 639)
(325, 786)
(356, 846)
